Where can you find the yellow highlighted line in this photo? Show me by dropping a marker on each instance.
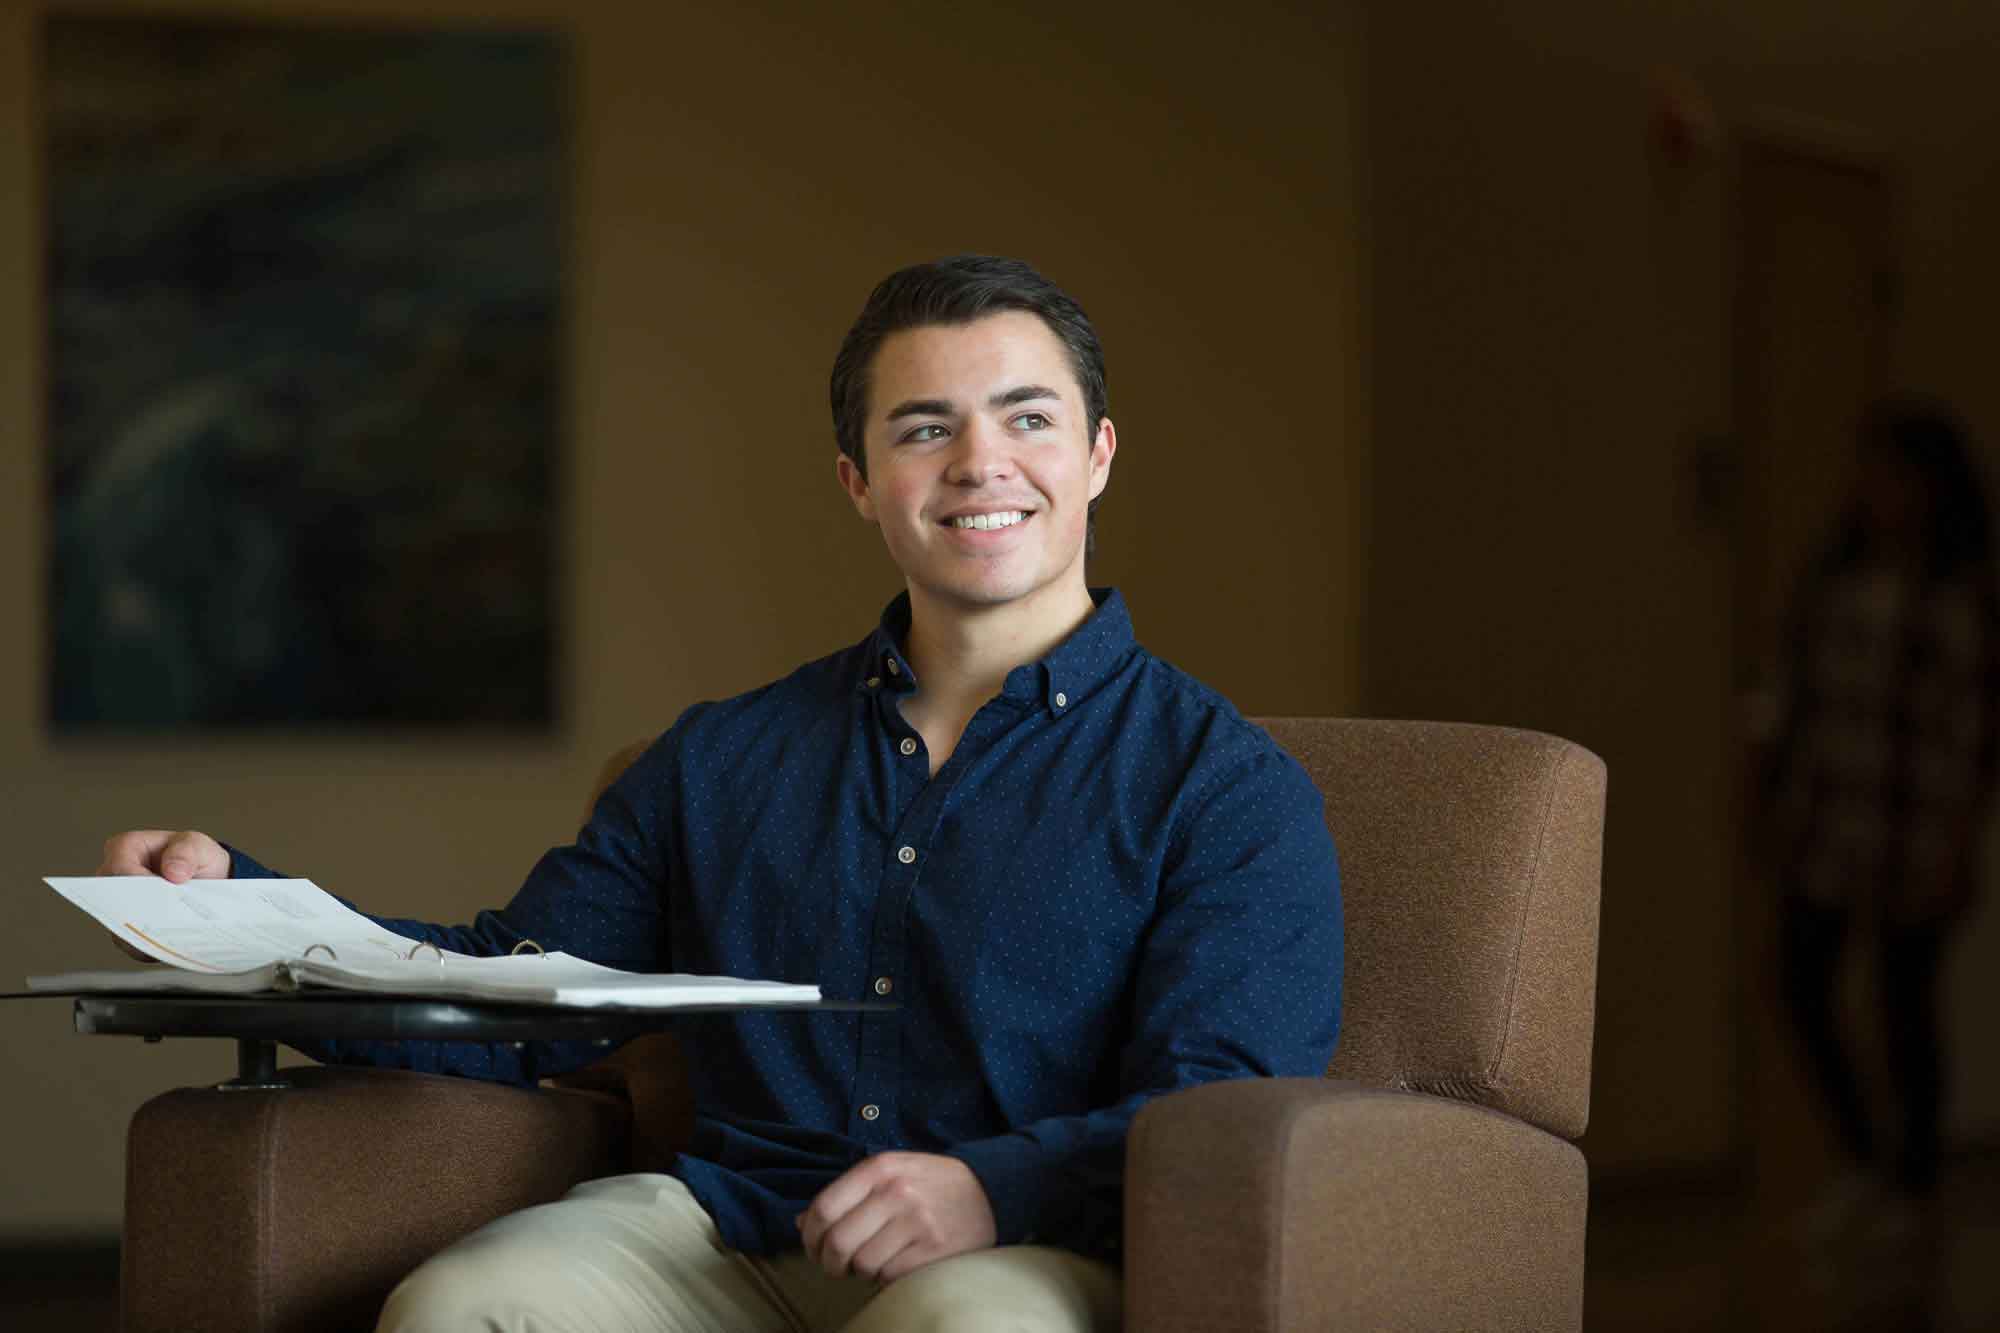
(193, 962)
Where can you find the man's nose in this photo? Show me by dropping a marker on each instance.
(981, 455)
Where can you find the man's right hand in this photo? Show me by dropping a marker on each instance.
(175, 857)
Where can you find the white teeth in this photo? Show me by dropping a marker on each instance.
(983, 522)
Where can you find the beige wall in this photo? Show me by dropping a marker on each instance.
(1549, 327)
(742, 175)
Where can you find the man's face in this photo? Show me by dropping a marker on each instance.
(981, 464)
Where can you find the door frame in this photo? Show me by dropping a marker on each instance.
(1771, 138)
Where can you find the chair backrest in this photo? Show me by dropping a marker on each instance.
(1471, 860)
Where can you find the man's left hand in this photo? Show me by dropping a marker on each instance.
(896, 1212)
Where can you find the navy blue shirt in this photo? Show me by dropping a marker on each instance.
(1115, 887)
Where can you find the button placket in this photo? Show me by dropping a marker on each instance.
(877, 1087)
(879, 1074)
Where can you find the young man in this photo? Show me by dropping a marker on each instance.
(1083, 877)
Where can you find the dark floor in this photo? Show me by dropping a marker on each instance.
(44, 1289)
(1660, 1259)
(1682, 1259)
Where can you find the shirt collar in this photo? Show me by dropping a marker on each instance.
(1092, 652)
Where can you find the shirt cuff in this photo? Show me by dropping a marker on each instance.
(1015, 1173)
(246, 867)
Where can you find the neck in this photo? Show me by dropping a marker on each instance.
(962, 654)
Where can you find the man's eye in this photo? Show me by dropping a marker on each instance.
(920, 435)
(1032, 421)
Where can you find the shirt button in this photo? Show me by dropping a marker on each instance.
(906, 854)
(1062, 700)
(874, 681)
(883, 985)
(893, 668)
(908, 746)
(871, 1112)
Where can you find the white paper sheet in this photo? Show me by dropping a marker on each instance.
(229, 925)
(228, 929)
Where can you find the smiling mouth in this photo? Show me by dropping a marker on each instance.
(1005, 518)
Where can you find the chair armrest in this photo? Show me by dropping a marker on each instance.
(650, 1074)
(300, 1209)
(1290, 1204)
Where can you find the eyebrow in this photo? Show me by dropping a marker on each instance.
(921, 407)
(942, 407)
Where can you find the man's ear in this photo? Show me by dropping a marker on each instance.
(855, 485)
(1101, 449)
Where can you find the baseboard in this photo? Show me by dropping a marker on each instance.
(1686, 1180)
(58, 1256)
(1728, 1177)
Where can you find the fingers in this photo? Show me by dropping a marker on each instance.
(833, 1203)
(842, 1244)
(193, 855)
(133, 853)
(846, 1216)
(891, 1252)
(895, 1213)
(175, 857)
(875, 1221)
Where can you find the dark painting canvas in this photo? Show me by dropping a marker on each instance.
(303, 363)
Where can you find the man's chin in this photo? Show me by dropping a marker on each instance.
(976, 596)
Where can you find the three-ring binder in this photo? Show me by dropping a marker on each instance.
(411, 956)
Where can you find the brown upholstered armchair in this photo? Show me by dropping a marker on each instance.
(1428, 1182)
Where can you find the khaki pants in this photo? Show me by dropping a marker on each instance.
(637, 1254)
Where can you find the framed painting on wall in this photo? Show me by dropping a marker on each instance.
(304, 374)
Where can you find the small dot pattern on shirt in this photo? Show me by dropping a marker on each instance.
(1114, 887)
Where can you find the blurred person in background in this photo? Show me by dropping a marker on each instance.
(1872, 792)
